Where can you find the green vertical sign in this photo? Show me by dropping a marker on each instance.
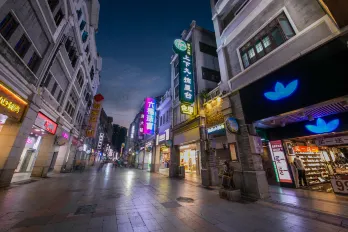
(186, 83)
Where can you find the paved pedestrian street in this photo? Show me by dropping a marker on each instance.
(134, 200)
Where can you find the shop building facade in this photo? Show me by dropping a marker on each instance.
(195, 72)
(46, 74)
(254, 39)
(310, 121)
(163, 134)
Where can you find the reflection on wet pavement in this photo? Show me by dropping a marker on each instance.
(135, 200)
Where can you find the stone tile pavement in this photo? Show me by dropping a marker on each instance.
(133, 200)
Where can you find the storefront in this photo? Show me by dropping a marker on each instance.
(147, 162)
(220, 149)
(43, 127)
(186, 153)
(302, 110)
(189, 159)
(163, 148)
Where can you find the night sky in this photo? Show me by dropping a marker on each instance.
(135, 40)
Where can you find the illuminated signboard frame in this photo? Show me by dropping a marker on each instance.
(11, 104)
(187, 109)
(232, 125)
(280, 162)
(216, 129)
(281, 91)
(186, 80)
(132, 131)
(149, 116)
(45, 123)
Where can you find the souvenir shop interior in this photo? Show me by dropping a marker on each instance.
(189, 158)
(325, 160)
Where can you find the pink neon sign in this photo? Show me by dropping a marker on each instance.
(149, 116)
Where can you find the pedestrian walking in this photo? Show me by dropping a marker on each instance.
(101, 165)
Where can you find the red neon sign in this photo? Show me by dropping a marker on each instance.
(46, 123)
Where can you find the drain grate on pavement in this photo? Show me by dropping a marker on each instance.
(85, 209)
(171, 204)
(185, 199)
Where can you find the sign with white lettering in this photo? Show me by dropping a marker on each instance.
(149, 116)
(279, 158)
(46, 123)
(186, 80)
(332, 141)
(217, 128)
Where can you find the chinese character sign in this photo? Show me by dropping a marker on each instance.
(149, 116)
(94, 116)
(186, 83)
(280, 161)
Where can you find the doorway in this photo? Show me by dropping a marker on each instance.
(53, 161)
(26, 160)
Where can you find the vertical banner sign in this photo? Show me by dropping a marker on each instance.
(141, 127)
(186, 84)
(94, 116)
(149, 116)
(279, 158)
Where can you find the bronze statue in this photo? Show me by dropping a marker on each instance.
(227, 176)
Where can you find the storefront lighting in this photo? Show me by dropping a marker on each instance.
(323, 127)
(185, 147)
(218, 99)
(36, 145)
(281, 91)
(9, 92)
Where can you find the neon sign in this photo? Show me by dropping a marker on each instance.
(132, 132)
(11, 104)
(149, 116)
(216, 128)
(65, 135)
(280, 91)
(323, 127)
(186, 109)
(180, 45)
(46, 123)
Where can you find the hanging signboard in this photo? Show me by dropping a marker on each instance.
(279, 158)
(94, 116)
(186, 109)
(186, 82)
